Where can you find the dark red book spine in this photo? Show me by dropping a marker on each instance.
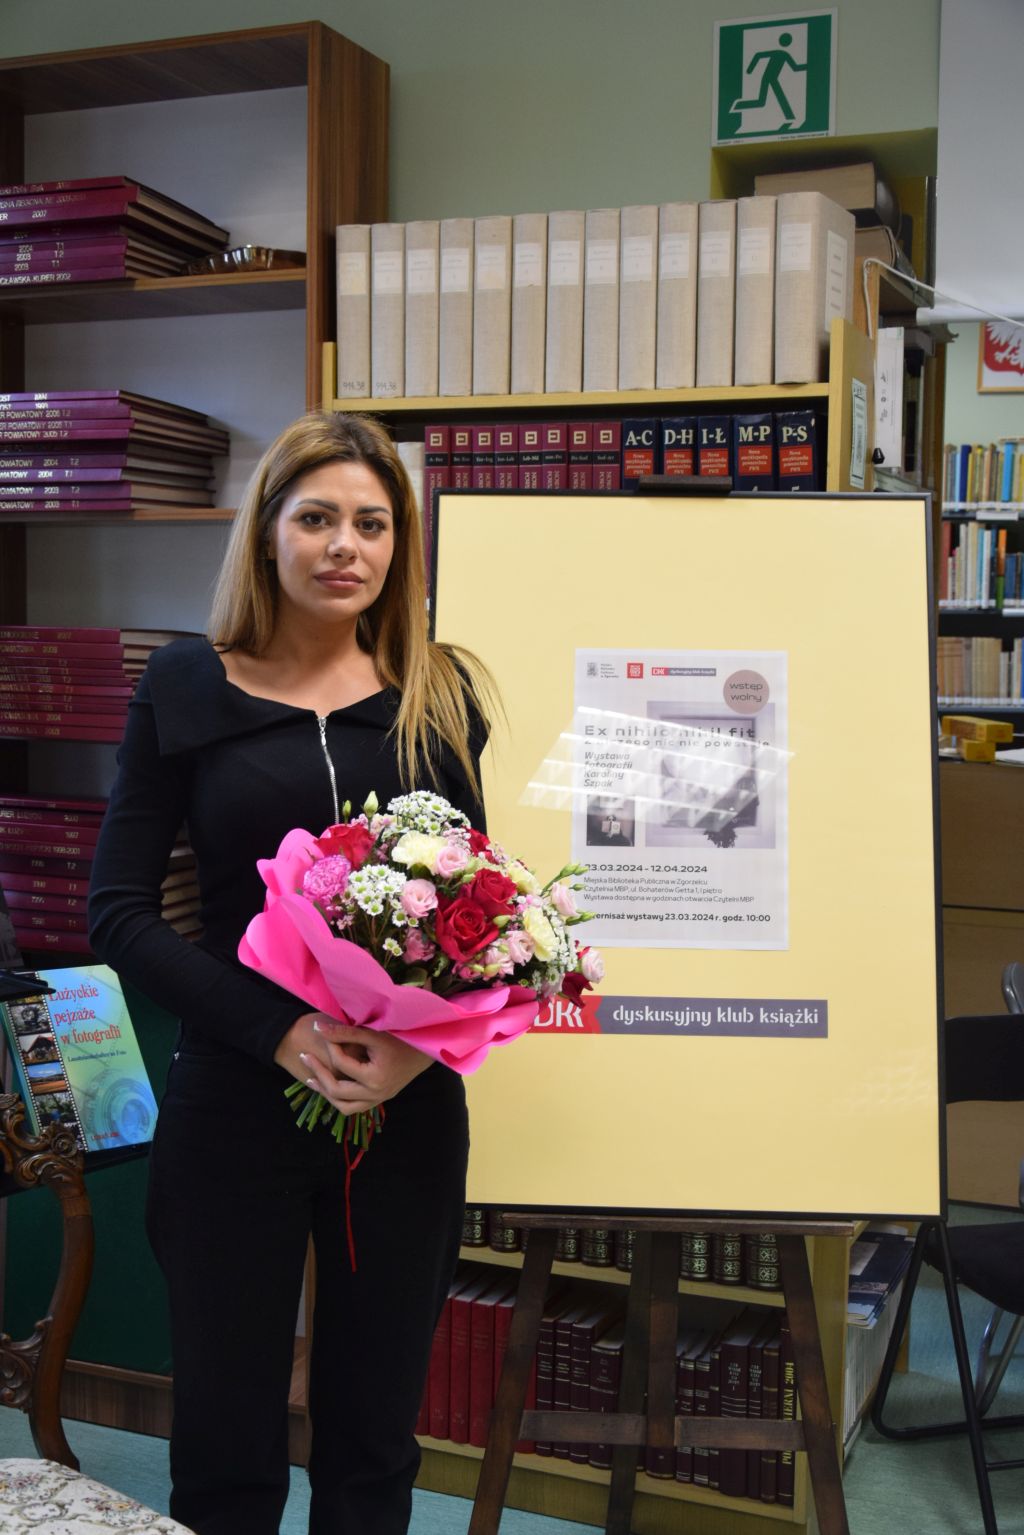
(530, 442)
(607, 455)
(50, 920)
(735, 1363)
(701, 1409)
(685, 1408)
(42, 885)
(59, 942)
(605, 1375)
(436, 460)
(61, 695)
(44, 846)
(49, 863)
(43, 258)
(11, 633)
(482, 477)
(97, 505)
(35, 188)
(60, 733)
(770, 1375)
(458, 1389)
(100, 650)
(715, 1411)
(554, 456)
(462, 457)
(56, 704)
(100, 479)
(787, 1411)
(57, 411)
(29, 247)
(53, 207)
(502, 1326)
(506, 457)
(755, 1401)
(14, 832)
(109, 273)
(481, 1362)
(581, 455)
(106, 433)
(28, 900)
(10, 463)
(546, 1371)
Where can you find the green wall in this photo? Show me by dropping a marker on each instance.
(970, 416)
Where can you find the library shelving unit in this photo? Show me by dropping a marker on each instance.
(567, 1490)
(279, 134)
(850, 357)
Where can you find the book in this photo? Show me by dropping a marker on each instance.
(555, 1307)
(506, 456)
(693, 1348)
(482, 458)
(116, 189)
(502, 1327)
(530, 443)
(737, 1340)
(563, 357)
(677, 445)
(492, 304)
(481, 1357)
(455, 314)
(586, 1331)
(755, 1398)
(607, 455)
(714, 457)
(461, 458)
(716, 282)
(554, 456)
(460, 1356)
(676, 341)
(813, 283)
(879, 1258)
(639, 449)
(755, 290)
(702, 1370)
(80, 1056)
(796, 447)
(638, 304)
(857, 187)
(770, 1382)
(601, 299)
(786, 1475)
(353, 297)
(387, 311)
(605, 1377)
(529, 301)
(422, 305)
(581, 455)
(753, 452)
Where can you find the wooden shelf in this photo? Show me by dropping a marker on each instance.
(157, 298)
(741, 1294)
(118, 519)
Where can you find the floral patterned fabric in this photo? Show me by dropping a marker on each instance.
(38, 1497)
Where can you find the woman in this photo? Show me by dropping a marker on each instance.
(319, 685)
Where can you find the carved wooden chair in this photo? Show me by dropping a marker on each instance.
(50, 1495)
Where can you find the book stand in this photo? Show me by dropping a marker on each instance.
(648, 1361)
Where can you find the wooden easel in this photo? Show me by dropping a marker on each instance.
(648, 1360)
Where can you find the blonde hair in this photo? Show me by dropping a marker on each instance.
(431, 679)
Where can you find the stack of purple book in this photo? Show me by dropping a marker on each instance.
(103, 450)
(97, 229)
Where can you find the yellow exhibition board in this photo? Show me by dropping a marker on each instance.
(724, 707)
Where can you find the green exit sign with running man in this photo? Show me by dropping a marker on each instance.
(775, 77)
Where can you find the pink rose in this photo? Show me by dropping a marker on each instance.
(592, 965)
(452, 859)
(563, 900)
(520, 946)
(418, 949)
(418, 897)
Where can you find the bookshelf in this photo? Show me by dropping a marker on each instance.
(279, 133)
(563, 1489)
(850, 356)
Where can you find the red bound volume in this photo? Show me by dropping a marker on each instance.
(28, 900)
(735, 1365)
(24, 883)
(502, 1326)
(506, 457)
(607, 455)
(702, 1409)
(436, 463)
(581, 455)
(481, 1359)
(715, 1411)
(32, 807)
(561, 1392)
(61, 943)
(56, 921)
(554, 456)
(462, 457)
(39, 635)
(555, 1308)
(483, 458)
(62, 650)
(530, 438)
(13, 830)
(755, 1398)
(58, 701)
(73, 274)
(605, 1375)
(458, 1388)
(587, 1330)
(59, 733)
(787, 1411)
(770, 1379)
(664, 1463)
(46, 864)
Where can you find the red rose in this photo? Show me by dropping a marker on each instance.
(478, 844)
(463, 928)
(352, 841)
(491, 891)
(574, 984)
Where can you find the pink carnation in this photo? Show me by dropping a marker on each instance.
(520, 946)
(327, 878)
(563, 900)
(418, 897)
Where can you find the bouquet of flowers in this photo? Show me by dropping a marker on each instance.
(412, 922)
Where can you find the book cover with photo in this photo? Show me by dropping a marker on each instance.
(77, 1058)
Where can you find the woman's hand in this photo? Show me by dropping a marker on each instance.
(353, 1068)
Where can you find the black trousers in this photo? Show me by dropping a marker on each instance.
(236, 1190)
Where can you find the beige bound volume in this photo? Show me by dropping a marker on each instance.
(716, 292)
(455, 341)
(601, 300)
(353, 284)
(492, 304)
(422, 286)
(563, 356)
(813, 282)
(755, 289)
(676, 348)
(529, 301)
(638, 301)
(387, 311)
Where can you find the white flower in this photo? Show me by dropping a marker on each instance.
(545, 943)
(425, 812)
(417, 849)
(374, 886)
